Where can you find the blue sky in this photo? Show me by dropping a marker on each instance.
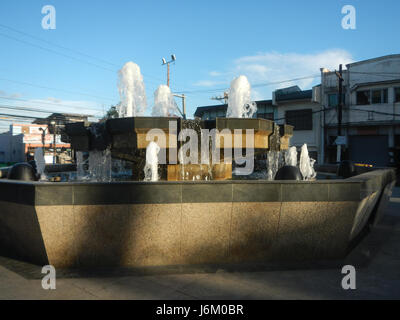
(214, 41)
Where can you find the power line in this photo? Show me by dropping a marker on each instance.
(302, 114)
(55, 52)
(18, 116)
(377, 73)
(66, 48)
(56, 89)
(12, 107)
(376, 112)
(50, 103)
(257, 85)
(57, 45)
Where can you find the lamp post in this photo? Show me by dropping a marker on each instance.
(44, 139)
(165, 62)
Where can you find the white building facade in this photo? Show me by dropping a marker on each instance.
(302, 110)
(371, 111)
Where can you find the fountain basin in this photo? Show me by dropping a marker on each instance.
(176, 223)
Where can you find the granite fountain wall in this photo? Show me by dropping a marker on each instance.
(183, 222)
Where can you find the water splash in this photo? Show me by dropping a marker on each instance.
(291, 157)
(131, 91)
(164, 103)
(40, 163)
(306, 164)
(239, 103)
(80, 166)
(275, 160)
(151, 167)
(100, 165)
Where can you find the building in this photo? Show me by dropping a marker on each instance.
(371, 111)
(20, 142)
(265, 110)
(62, 118)
(302, 110)
(293, 106)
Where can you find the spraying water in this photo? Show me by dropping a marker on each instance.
(131, 91)
(100, 165)
(306, 164)
(151, 167)
(274, 162)
(164, 103)
(80, 162)
(40, 163)
(239, 103)
(291, 157)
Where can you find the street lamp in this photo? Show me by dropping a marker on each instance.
(165, 62)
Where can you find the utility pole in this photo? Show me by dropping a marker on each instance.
(225, 98)
(183, 97)
(54, 141)
(168, 74)
(339, 113)
(165, 62)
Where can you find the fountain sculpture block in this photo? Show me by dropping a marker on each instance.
(127, 137)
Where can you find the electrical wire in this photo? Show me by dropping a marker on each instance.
(68, 49)
(50, 103)
(56, 89)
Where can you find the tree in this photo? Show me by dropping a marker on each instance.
(111, 113)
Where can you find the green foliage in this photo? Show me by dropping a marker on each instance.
(111, 113)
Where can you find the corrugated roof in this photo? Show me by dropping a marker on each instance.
(223, 107)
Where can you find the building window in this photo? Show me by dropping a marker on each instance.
(363, 97)
(397, 94)
(379, 96)
(299, 119)
(267, 115)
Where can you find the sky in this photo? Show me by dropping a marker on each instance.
(74, 67)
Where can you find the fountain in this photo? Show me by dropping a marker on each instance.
(151, 167)
(306, 164)
(181, 206)
(40, 163)
(239, 103)
(164, 103)
(132, 91)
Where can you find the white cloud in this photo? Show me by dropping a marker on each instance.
(208, 83)
(10, 95)
(52, 99)
(215, 73)
(275, 66)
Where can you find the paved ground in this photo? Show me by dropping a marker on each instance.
(377, 261)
